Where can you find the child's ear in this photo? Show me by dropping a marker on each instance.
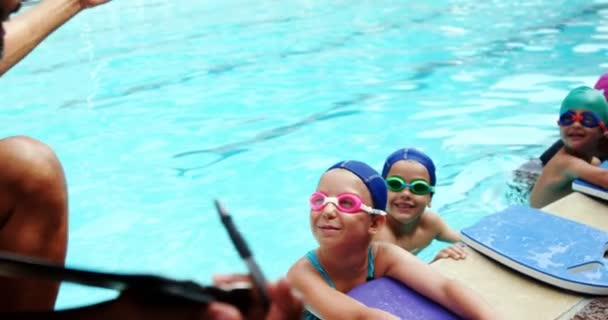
(378, 222)
(428, 204)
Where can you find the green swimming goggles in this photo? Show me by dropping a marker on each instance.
(417, 186)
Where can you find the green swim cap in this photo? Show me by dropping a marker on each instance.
(586, 98)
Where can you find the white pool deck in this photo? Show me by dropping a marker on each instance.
(516, 296)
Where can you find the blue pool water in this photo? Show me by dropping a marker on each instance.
(155, 108)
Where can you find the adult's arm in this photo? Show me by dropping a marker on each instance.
(26, 31)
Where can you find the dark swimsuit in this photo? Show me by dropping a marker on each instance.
(553, 149)
(549, 153)
(314, 260)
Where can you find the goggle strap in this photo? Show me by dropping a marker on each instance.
(371, 210)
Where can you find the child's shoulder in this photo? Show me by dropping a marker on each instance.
(384, 250)
(561, 163)
(304, 262)
(431, 220)
(564, 157)
(302, 271)
(436, 227)
(388, 254)
(385, 234)
(380, 248)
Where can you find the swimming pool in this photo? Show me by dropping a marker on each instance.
(155, 109)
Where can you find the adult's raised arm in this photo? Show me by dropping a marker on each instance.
(26, 31)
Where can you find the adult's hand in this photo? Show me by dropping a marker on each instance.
(284, 302)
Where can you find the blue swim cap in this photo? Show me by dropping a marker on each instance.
(413, 155)
(375, 184)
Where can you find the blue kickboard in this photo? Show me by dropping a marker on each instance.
(392, 296)
(555, 250)
(589, 188)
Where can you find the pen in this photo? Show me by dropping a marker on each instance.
(241, 246)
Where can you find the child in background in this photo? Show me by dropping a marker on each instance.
(602, 152)
(582, 119)
(347, 209)
(410, 178)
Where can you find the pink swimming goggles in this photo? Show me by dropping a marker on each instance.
(345, 202)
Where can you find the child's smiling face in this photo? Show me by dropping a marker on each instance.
(405, 206)
(329, 224)
(579, 137)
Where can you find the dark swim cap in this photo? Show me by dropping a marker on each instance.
(374, 182)
(413, 155)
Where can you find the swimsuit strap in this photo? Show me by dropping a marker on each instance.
(370, 265)
(312, 258)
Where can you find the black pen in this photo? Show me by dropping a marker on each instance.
(241, 246)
